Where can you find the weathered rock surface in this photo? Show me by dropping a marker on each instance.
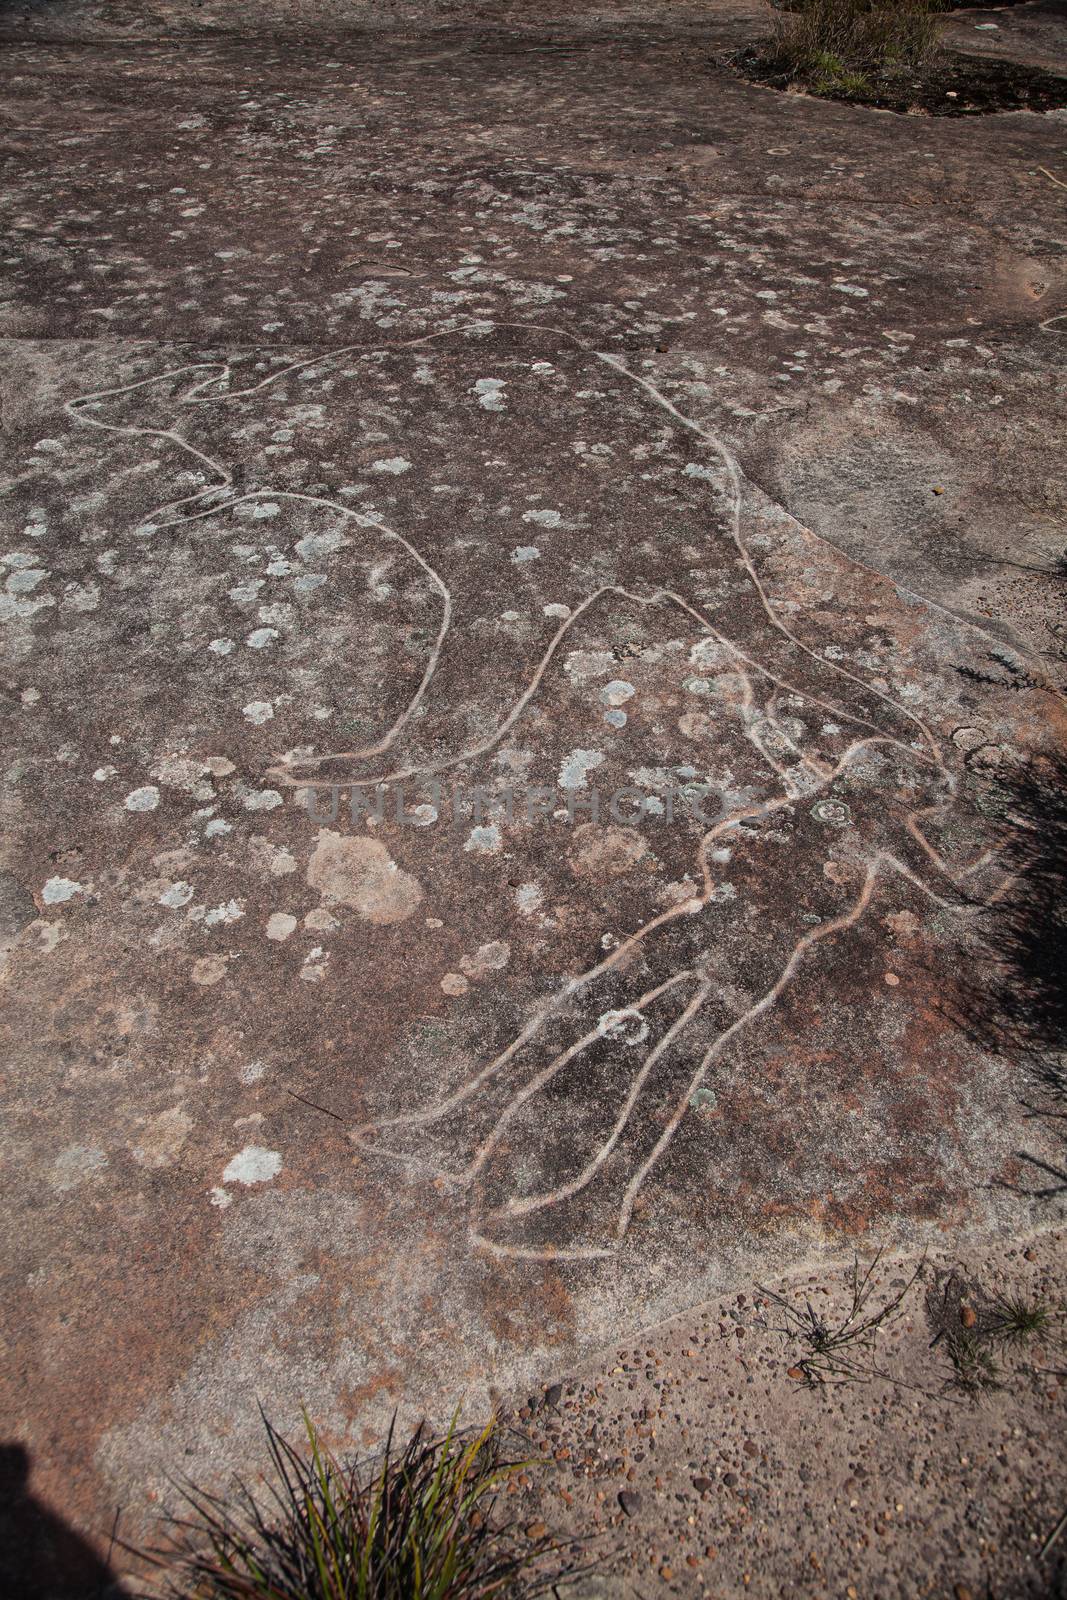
(421, 430)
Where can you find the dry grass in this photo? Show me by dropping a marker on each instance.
(836, 46)
(838, 1349)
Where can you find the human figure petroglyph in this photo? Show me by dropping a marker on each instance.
(801, 901)
(639, 1051)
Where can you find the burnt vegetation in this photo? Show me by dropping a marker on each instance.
(887, 54)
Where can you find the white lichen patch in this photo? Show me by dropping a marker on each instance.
(492, 957)
(57, 890)
(262, 800)
(229, 912)
(183, 772)
(281, 613)
(490, 392)
(576, 767)
(176, 895)
(21, 583)
(253, 1164)
(258, 712)
(272, 858)
(74, 1165)
(711, 654)
(280, 924)
(626, 1026)
(582, 666)
(315, 546)
(315, 963)
(484, 839)
(321, 920)
(144, 799)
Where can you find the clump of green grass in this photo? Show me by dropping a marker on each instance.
(1015, 1320)
(418, 1523)
(836, 46)
(829, 75)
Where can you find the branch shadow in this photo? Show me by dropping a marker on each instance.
(1014, 1003)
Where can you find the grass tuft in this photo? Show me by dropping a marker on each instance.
(417, 1523)
(1015, 1320)
(974, 1328)
(838, 1349)
(835, 46)
(974, 1366)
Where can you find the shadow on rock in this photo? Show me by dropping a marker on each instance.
(1015, 1004)
(41, 1558)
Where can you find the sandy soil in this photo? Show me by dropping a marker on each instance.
(704, 1460)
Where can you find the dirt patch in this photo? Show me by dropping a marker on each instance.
(950, 85)
(691, 1463)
